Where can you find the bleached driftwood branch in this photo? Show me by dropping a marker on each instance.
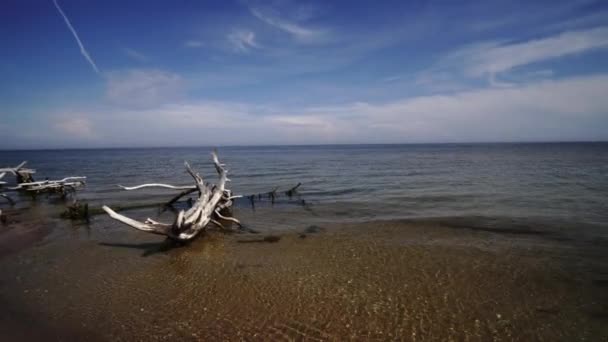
(25, 182)
(23, 174)
(61, 185)
(188, 223)
(19, 168)
(158, 185)
(67, 181)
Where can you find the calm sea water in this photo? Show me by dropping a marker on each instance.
(559, 186)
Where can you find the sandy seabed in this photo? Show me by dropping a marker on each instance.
(384, 280)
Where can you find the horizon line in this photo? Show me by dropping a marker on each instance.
(308, 145)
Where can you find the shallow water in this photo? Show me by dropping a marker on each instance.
(414, 242)
(563, 186)
(412, 280)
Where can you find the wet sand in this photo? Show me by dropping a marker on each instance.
(398, 280)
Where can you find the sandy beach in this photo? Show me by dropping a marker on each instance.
(384, 280)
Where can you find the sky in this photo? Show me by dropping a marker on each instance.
(80, 74)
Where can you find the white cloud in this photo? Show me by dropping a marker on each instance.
(305, 121)
(294, 29)
(136, 55)
(194, 44)
(491, 58)
(75, 127)
(243, 41)
(543, 73)
(439, 81)
(550, 110)
(567, 109)
(393, 78)
(143, 88)
(83, 51)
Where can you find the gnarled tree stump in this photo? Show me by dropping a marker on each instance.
(188, 223)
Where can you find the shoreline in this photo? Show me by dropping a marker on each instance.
(381, 279)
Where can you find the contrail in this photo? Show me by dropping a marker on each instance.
(84, 52)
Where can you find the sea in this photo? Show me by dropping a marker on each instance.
(380, 242)
(553, 188)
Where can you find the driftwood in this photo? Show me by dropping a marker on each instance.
(63, 186)
(207, 208)
(22, 174)
(272, 195)
(26, 182)
(76, 211)
(211, 206)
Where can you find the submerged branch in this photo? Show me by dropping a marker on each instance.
(10, 200)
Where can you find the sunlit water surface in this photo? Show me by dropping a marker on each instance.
(560, 187)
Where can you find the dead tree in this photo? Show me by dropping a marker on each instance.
(23, 175)
(207, 208)
(61, 186)
(25, 182)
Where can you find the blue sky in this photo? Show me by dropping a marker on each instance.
(171, 73)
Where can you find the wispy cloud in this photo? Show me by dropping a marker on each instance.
(597, 18)
(493, 58)
(143, 88)
(294, 29)
(566, 109)
(83, 51)
(243, 41)
(439, 80)
(194, 43)
(500, 63)
(571, 109)
(136, 55)
(75, 127)
(394, 78)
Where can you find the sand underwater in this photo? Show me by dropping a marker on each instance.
(412, 280)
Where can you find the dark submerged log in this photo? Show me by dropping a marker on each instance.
(78, 210)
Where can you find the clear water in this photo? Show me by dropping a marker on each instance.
(562, 186)
(540, 274)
